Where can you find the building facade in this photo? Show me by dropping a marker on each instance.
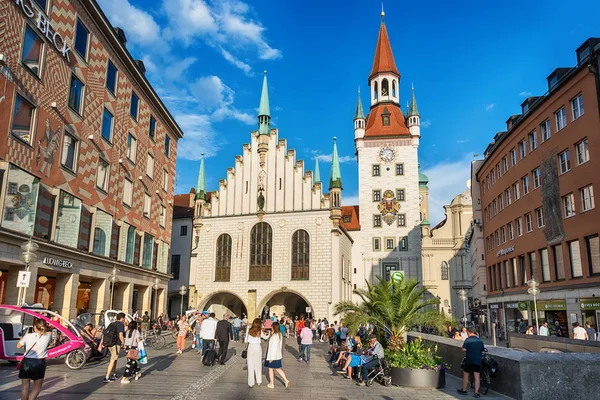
(87, 162)
(271, 240)
(537, 193)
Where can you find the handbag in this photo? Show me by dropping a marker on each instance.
(245, 351)
(20, 363)
(133, 354)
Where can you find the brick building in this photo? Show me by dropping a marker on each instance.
(86, 163)
(537, 195)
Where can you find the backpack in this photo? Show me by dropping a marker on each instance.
(110, 336)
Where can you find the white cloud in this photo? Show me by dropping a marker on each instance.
(188, 19)
(199, 137)
(426, 123)
(462, 141)
(238, 63)
(489, 107)
(525, 94)
(327, 158)
(446, 180)
(350, 200)
(139, 26)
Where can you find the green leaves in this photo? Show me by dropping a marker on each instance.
(415, 355)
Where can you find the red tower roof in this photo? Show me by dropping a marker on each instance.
(395, 127)
(384, 58)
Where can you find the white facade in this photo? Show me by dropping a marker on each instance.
(181, 253)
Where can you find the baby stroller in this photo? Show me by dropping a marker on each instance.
(381, 373)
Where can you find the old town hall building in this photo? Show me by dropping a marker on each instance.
(275, 237)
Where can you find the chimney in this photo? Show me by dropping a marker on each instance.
(121, 35)
(141, 67)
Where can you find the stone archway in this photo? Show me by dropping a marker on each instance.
(223, 302)
(284, 302)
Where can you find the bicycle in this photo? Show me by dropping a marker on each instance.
(154, 339)
(488, 369)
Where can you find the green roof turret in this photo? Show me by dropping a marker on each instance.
(264, 111)
(317, 174)
(201, 187)
(335, 180)
(359, 108)
(413, 110)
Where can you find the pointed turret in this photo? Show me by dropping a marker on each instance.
(335, 179)
(359, 119)
(384, 58)
(359, 108)
(413, 109)
(317, 175)
(201, 186)
(413, 119)
(264, 112)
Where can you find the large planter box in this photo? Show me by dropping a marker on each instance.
(421, 378)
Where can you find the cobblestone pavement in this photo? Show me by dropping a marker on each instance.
(183, 377)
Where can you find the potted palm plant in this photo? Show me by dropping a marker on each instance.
(394, 308)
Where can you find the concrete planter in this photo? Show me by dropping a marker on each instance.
(420, 378)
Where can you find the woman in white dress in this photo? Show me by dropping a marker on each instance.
(274, 356)
(254, 358)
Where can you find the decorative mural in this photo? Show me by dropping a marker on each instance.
(389, 207)
(47, 147)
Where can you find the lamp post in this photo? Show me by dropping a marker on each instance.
(182, 292)
(113, 278)
(27, 256)
(534, 291)
(462, 294)
(155, 286)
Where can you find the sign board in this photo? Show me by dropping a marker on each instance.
(505, 251)
(495, 306)
(589, 304)
(55, 262)
(523, 305)
(23, 279)
(511, 305)
(308, 309)
(397, 276)
(550, 305)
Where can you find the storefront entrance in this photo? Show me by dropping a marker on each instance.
(553, 311)
(590, 312)
(515, 313)
(3, 283)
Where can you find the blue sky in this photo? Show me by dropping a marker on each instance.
(472, 64)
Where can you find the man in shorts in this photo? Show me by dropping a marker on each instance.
(473, 347)
(114, 348)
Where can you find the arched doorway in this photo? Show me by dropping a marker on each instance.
(223, 303)
(284, 303)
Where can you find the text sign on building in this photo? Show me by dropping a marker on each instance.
(55, 262)
(589, 304)
(397, 276)
(42, 22)
(551, 305)
(23, 279)
(505, 251)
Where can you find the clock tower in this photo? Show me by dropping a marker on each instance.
(388, 166)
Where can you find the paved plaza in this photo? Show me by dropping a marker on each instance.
(183, 377)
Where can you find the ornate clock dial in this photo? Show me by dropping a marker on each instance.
(387, 154)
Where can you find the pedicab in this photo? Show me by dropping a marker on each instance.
(67, 341)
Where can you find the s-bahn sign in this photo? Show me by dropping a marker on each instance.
(42, 22)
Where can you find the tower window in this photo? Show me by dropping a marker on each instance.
(394, 88)
(399, 169)
(385, 87)
(376, 170)
(385, 117)
(376, 195)
(375, 90)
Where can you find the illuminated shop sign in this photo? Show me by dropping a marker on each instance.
(55, 262)
(42, 22)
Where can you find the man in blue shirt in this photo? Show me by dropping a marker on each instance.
(473, 347)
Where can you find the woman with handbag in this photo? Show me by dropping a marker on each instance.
(33, 365)
(132, 340)
(253, 352)
(274, 356)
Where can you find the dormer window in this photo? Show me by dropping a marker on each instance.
(385, 88)
(385, 117)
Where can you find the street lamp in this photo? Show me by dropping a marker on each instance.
(462, 294)
(155, 287)
(182, 292)
(113, 278)
(534, 291)
(27, 256)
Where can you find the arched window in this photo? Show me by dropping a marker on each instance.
(300, 255)
(223, 259)
(394, 88)
(375, 90)
(130, 245)
(261, 248)
(385, 88)
(99, 241)
(444, 271)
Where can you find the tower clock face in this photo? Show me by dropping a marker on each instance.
(387, 154)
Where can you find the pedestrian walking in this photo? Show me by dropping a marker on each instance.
(237, 325)
(306, 338)
(145, 321)
(544, 331)
(33, 364)
(473, 347)
(313, 328)
(132, 340)
(197, 329)
(254, 358)
(113, 338)
(207, 332)
(222, 334)
(592, 335)
(578, 332)
(274, 356)
(183, 331)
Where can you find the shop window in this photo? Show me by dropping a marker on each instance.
(261, 248)
(20, 201)
(575, 259)
(175, 265)
(134, 106)
(593, 248)
(148, 251)
(76, 95)
(445, 274)
(130, 245)
(23, 116)
(69, 152)
(32, 51)
(107, 125)
(111, 77)
(152, 128)
(102, 234)
(83, 297)
(300, 255)
(68, 220)
(559, 264)
(82, 36)
(102, 175)
(45, 286)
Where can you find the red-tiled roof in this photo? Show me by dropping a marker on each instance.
(384, 58)
(184, 200)
(375, 121)
(352, 212)
(183, 212)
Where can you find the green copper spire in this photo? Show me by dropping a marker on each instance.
(317, 174)
(264, 112)
(335, 180)
(359, 108)
(201, 187)
(413, 110)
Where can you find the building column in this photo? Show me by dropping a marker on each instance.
(65, 295)
(30, 291)
(99, 295)
(126, 298)
(12, 291)
(162, 300)
(143, 299)
(251, 305)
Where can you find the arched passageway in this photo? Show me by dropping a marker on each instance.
(223, 303)
(284, 303)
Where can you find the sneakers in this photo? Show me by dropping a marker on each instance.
(125, 380)
(271, 386)
(342, 371)
(361, 384)
(460, 391)
(111, 378)
(308, 362)
(347, 377)
(477, 395)
(287, 384)
(300, 360)
(138, 376)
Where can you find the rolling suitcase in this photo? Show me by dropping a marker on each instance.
(209, 358)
